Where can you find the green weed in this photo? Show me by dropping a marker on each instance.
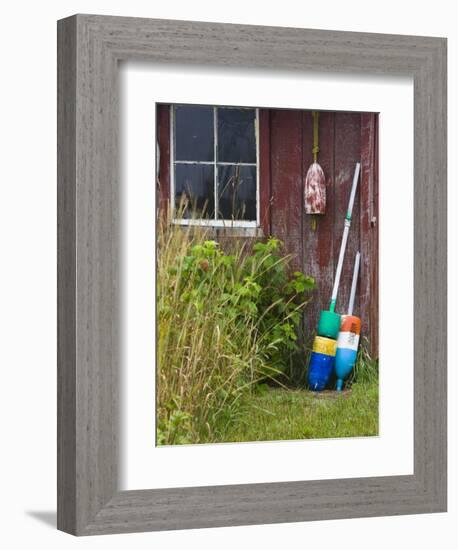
(225, 322)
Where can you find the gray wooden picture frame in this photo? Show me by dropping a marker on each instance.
(89, 49)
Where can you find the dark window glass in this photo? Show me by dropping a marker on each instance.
(237, 192)
(194, 133)
(194, 190)
(236, 135)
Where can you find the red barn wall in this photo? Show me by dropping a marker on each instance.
(344, 139)
(286, 141)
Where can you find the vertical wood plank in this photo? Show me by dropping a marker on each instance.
(347, 153)
(286, 173)
(375, 249)
(264, 171)
(319, 244)
(163, 137)
(368, 222)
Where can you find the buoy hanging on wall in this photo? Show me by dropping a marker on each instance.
(315, 181)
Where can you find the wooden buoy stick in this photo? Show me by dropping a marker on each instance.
(344, 238)
(354, 282)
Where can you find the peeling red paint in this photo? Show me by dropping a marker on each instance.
(345, 138)
(347, 152)
(319, 244)
(369, 228)
(286, 181)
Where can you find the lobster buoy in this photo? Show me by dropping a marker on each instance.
(321, 363)
(347, 348)
(348, 339)
(315, 180)
(315, 190)
(324, 345)
(329, 324)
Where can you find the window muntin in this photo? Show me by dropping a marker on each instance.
(219, 146)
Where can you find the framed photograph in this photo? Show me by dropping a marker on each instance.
(251, 275)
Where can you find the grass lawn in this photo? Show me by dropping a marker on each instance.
(276, 414)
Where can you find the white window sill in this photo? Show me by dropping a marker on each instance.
(220, 228)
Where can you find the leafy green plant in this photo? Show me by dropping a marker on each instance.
(280, 301)
(225, 321)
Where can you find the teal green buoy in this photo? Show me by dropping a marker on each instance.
(328, 324)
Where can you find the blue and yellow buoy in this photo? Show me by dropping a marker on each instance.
(321, 364)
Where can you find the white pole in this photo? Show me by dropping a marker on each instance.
(354, 282)
(345, 237)
(353, 190)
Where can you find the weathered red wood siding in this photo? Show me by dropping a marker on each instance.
(369, 227)
(287, 182)
(347, 151)
(319, 245)
(286, 141)
(265, 191)
(344, 139)
(163, 138)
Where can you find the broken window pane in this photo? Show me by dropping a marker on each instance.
(194, 191)
(237, 192)
(194, 133)
(236, 135)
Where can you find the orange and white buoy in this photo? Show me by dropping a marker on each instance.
(348, 339)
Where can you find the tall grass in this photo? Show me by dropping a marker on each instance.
(365, 370)
(219, 330)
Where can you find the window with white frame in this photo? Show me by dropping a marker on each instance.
(215, 167)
